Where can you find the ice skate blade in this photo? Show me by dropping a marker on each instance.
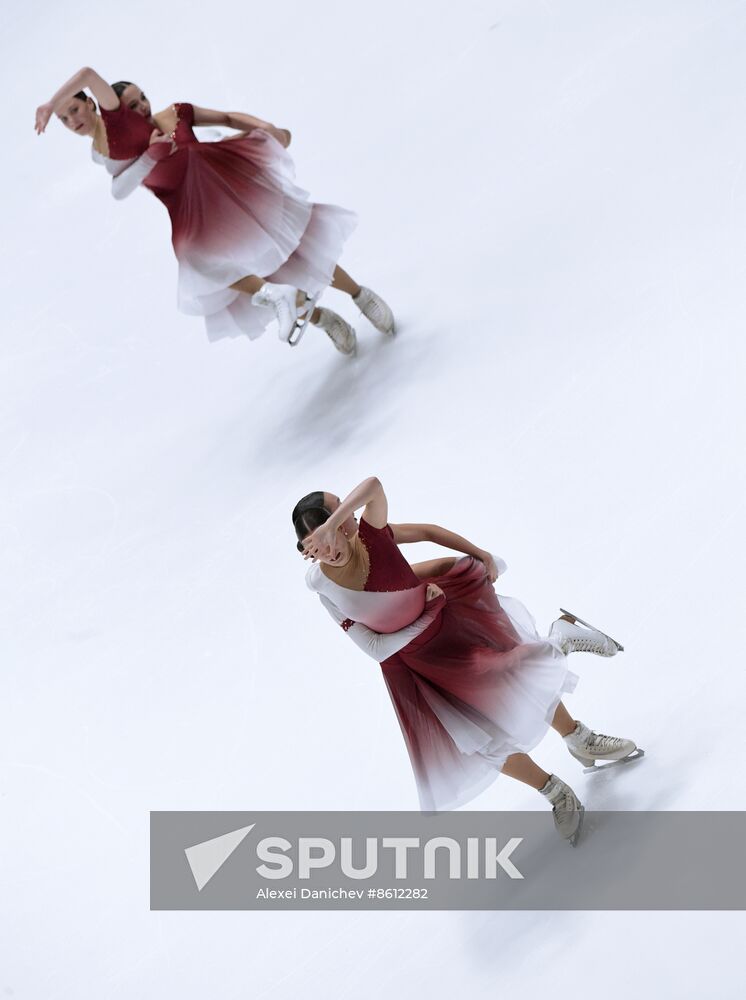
(601, 765)
(300, 327)
(564, 611)
(573, 841)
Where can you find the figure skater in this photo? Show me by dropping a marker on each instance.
(128, 175)
(474, 686)
(250, 245)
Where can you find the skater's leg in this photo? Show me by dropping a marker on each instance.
(522, 768)
(285, 300)
(341, 280)
(251, 283)
(566, 807)
(562, 721)
(344, 282)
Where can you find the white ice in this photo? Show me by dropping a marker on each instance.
(553, 199)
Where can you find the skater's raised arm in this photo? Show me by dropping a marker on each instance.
(448, 539)
(86, 77)
(369, 494)
(241, 122)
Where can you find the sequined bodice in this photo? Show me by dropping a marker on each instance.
(386, 569)
(393, 596)
(389, 570)
(128, 133)
(182, 132)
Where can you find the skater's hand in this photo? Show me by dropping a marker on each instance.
(43, 114)
(280, 134)
(433, 591)
(323, 542)
(157, 136)
(489, 565)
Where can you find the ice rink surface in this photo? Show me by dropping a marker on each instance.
(552, 197)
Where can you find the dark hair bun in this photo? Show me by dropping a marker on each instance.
(308, 514)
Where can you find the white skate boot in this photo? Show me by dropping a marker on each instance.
(339, 331)
(375, 309)
(566, 807)
(597, 751)
(582, 638)
(283, 300)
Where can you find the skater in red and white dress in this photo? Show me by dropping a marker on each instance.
(250, 244)
(474, 686)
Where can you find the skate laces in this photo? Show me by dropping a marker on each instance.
(590, 643)
(370, 306)
(599, 741)
(586, 645)
(561, 796)
(338, 330)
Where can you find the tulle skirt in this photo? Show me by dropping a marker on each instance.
(235, 210)
(478, 685)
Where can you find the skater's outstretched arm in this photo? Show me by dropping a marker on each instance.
(86, 77)
(377, 644)
(241, 122)
(448, 539)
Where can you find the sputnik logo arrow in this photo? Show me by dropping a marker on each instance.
(206, 858)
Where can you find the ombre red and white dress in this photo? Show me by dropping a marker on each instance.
(477, 685)
(235, 210)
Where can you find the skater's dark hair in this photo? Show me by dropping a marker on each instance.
(82, 96)
(308, 514)
(120, 86)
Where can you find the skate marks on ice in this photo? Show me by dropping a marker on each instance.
(343, 403)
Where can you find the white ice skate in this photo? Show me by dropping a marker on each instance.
(291, 318)
(376, 310)
(597, 751)
(339, 331)
(573, 638)
(566, 808)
